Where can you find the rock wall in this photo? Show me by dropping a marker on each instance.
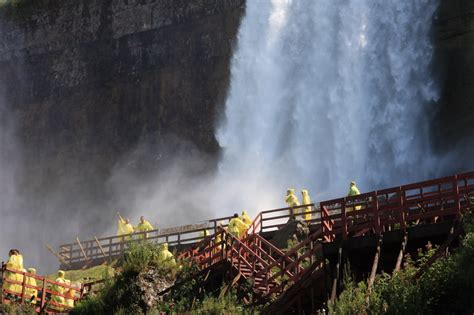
(453, 125)
(89, 81)
(91, 86)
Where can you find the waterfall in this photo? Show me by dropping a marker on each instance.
(324, 92)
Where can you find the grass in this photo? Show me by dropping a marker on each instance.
(87, 275)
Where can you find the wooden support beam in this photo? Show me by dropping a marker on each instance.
(100, 246)
(82, 248)
(336, 279)
(401, 254)
(375, 265)
(61, 259)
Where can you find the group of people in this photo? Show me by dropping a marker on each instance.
(238, 225)
(58, 288)
(126, 228)
(13, 283)
(293, 202)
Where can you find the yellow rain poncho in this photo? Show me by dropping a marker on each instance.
(165, 256)
(15, 262)
(58, 289)
(218, 238)
(306, 201)
(291, 200)
(31, 293)
(144, 226)
(124, 228)
(204, 233)
(245, 218)
(237, 227)
(69, 301)
(353, 191)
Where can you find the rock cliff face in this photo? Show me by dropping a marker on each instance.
(89, 86)
(87, 81)
(453, 126)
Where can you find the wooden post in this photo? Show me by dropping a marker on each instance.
(374, 269)
(23, 289)
(344, 219)
(376, 213)
(100, 246)
(401, 254)
(402, 215)
(82, 248)
(336, 279)
(43, 294)
(457, 198)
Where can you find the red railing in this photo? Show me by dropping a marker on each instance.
(397, 208)
(375, 212)
(372, 212)
(47, 298)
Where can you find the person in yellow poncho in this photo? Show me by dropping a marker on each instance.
(306, 201)
(353, 191)
(237, 227)
(15, 262)
(245, 218)
(31, 293)
(291, 200)
(165, 256)
(58, 289)
(204, 233)
(124, 227)
(218, 238)
(144, 226)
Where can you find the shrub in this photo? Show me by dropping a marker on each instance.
(447, 287)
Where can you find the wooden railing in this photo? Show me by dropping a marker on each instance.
(375, 211)
(15, 291)
(108, 248)
(397, 208)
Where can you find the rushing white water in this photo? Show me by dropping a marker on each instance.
(327, 91)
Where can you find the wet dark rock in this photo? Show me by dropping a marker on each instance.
(295, 230)
(151, 282)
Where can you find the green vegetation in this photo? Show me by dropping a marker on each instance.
(228, 304)
(447, 287)
(124, 294)
(87, 275)
(17, 309)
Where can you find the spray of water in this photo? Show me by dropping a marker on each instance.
(324, 92)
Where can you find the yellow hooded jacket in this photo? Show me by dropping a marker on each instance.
(245, 218)
(58, 289)
(124, 228)
(165, 256)
(15, 262)
(31, 292)
(353, 191)
(306, 201)
(237, 227)
(291, 200)
(144, 226)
